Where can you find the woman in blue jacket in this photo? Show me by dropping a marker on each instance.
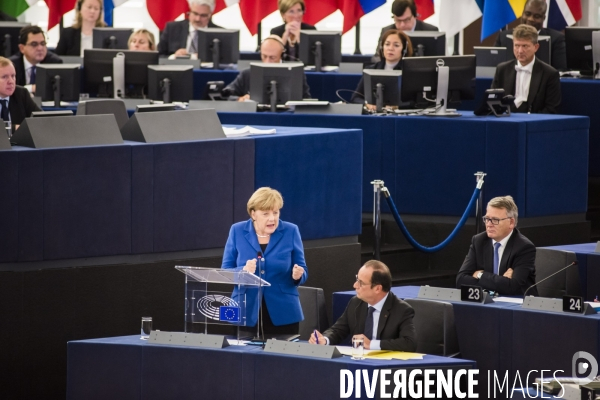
(271, 249)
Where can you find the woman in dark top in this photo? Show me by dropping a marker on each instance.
(394, 46)
(73, 40)
(292, 12)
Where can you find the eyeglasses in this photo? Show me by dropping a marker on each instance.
(403, 20)
(494, 221)
(195, 14)
(36, 44)
(295, 12)
(361, 283)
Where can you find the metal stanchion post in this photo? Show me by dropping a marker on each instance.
(479, 227)
(377, 186)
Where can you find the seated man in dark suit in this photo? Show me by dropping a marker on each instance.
(500, 259)
(180, 37)
(32, 51)
(271, 51)
(534, 84)
(384, 321)
(405, 18)
(15, 102)
(534, 14)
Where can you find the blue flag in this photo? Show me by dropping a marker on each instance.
(229, 314)
(108, 12)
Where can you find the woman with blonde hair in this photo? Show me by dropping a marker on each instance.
(75, 39)
(142, 39)
(292, 12)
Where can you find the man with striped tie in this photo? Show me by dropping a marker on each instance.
(500, 259)
(375, 314)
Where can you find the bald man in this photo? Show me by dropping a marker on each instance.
(271, 51)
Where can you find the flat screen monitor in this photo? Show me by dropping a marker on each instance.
(170, 82)
(420, 74)
(221, 46)
(289, 78)
(426, 43)
(58, 82)
(543, 52)
(579, 48)
(388, 93)
(111, 38)
(487, 59)
(320, 46)
(98, 71)
(9, 37)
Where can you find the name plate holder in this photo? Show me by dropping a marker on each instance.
(301, 349)
(202, 340)
(552, 305)
(446, 294)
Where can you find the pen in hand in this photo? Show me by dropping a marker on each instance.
(316, 337)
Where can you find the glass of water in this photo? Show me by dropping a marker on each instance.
(358, 348)
(146, 327)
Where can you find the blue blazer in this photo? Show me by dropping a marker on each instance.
(283, 251)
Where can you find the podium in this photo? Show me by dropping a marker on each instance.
(216, 299)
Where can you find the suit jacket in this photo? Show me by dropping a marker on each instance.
(519, 255)
(69, 43)
(360, 98)
(558, 49)
(544, 89)
(395, 330)
(175, 36)
(19, 64)
(291, 53)
(21, 105)
(241, 85)
(283, 251)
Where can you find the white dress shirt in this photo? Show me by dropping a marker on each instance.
(502, 247)
(523, 82)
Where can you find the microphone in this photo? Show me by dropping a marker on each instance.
(260, 332)
(548, 277)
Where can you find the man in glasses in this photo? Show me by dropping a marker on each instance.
(375, 314)
(500, 259)
(32, 51)
(180, 37)
(405, 18)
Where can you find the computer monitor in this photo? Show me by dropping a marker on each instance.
(170, 82)
(448, 79)
(579, 48)
(320, 48)
(9, 37)
(427, 43)
(543, 53)
(117, 73)
(287, 77)
(382, 87)
(221, 46)
(111, 38)
(487, 59)
(58, 82)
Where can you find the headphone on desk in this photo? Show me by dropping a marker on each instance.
(404, 39)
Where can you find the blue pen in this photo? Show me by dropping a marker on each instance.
(316, 337)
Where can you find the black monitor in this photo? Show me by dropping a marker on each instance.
(111, 38)
(288, 78)
(320, 48)
(170, 82)
(420, 79)
(98, 72)
(427, 43)
(382, 87)
(221, 46)
(58, 82)
(579, 48)
(9, 37)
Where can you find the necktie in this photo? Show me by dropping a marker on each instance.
(32, 76)
(369, 323)
(4, 112)
(496, 257)
(522, 86)
(194, 44)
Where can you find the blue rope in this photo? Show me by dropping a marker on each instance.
(447, 240)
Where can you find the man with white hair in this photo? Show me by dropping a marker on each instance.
(180, 37)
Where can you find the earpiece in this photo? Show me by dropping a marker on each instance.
(278, 40)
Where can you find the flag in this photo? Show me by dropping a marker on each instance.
(163, 11)
(229, 314)
(456, 15)
(109, 6)
(316, 10)
(56, 9)
(563, 13)
(16, 7)
(353, 10)
(223, 4)
(497, 13)
(425, 8)
(253, 11)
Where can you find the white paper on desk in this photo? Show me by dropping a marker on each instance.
(508, 300)
(247, 130)
(235, 342)
(347, 350)
(594, 304)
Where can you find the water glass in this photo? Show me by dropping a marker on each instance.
(146, 327)
(358, 349)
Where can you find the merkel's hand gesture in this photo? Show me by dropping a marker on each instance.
(297, 272)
